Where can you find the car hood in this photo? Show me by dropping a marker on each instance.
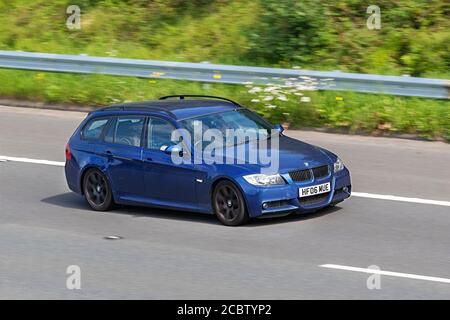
(292, 155)
(295, 154)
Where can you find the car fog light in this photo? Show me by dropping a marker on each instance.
(265, 205)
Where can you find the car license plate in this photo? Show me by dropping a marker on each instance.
(313, 190)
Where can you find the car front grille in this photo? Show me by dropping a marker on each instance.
(320, 172)
(301, 175)
(312, 200)
(308, 174)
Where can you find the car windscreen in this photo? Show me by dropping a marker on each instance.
(242, 120)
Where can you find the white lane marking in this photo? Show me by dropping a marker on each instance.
(403, 199)
(27, 160)
(354, 194)
(386, 273)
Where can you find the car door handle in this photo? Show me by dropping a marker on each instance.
(109, 153)
(148, 159)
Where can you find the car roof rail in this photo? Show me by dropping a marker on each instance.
(183, 96)
(135, 108)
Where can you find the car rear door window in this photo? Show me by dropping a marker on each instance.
(110, 131)
(126, 130)
(93, 130)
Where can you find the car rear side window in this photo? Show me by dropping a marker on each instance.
(126, 130)
(93, 130)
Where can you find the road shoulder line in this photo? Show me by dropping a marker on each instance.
(386, 273)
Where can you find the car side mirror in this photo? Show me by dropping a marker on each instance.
(279, 128)
(173, 149)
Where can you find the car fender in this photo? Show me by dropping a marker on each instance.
(231, 179)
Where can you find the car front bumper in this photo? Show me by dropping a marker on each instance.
(285, 199)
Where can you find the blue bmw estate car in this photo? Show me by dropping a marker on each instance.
(124, 154)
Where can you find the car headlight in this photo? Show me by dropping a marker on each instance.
(264, 180)
(338, 165)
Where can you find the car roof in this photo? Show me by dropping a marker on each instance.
(176, 109)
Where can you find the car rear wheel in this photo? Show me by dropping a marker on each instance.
(97, 190)
(229, 205)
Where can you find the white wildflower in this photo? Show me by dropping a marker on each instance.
(305, 99)
(255, 90)
(270, 89)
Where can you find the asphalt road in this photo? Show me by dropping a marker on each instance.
(164, 254)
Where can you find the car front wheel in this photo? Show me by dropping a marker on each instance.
(228, 204)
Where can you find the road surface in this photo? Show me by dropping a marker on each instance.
(398, 223)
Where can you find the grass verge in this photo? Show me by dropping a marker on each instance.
(345, 111)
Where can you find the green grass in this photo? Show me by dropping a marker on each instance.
(350, 112)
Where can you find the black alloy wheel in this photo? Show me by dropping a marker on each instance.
(97, 190)
(229, 205)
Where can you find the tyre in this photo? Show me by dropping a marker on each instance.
(97, 190)
(228, 204)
